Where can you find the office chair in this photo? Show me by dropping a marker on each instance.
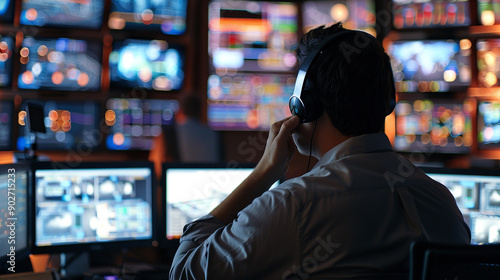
(430, 261)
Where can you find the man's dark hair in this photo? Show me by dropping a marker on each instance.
(191, 106)
(351, 77)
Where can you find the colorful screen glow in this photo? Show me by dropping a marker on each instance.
(488, 62)
(6, 53)
(433, 13)
(488, 118)
(489, 12)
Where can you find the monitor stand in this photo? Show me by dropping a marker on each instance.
(73, 265)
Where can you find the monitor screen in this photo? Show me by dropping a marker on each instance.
(192, 191)
(154, 64)
(69, 125)
(488, 126)
(6, 113)
(489, 12)
(477, 193)
(431, 66)
(62, 13)
(7, 11)
(354, 14)
(93, 203)
(60, 64)
(134, 123)
(169, 16)
(252, 63)
(433, 126)
(14, 182)
(433, 13)
(6, 53)
(488, 62)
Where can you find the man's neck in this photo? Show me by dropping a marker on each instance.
(326, 137)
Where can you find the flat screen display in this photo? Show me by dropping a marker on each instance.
(153, 65)
(60, 64)
(62, 13)
(167, 16)
(6, 53)
(6, 114)
(354, 14)
(92, 205)
(70, 125)
(252, 62)
(489, 12)
(433, 13)
(488, 62)
(488, 124)
(134, 123)
(433, 126)
(7, 11)
(431, 66)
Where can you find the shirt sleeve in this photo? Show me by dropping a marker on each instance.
(253, 246)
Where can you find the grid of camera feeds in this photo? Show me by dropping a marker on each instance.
(478, 197)
(92, 205)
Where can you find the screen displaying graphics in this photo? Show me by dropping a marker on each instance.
(6, 52)
(488, 126)
(69, 125)
(62, 13)
(192, 192)
(7, 11)
(488, 62)
(431, 66)
(89, 205)
(489, 11)
(433, 126)
(6, 113)
(14, 180)
(252, 57)
(133, 123)
(169, 16)
(477, 193)
(148, 64)
(433, 13)
(354, 14)
(60, 64)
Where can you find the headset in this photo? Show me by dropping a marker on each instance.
(308, 106)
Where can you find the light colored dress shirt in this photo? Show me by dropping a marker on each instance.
(355, 213)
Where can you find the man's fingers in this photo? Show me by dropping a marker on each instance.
(276, 127)
(289, 125)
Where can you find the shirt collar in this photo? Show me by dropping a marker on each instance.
(367, 143)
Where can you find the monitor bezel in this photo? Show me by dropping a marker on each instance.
(94, 246)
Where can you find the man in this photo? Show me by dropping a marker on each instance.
(355, 213)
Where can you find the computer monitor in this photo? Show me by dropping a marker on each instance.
(6, 54)
(69, 125)
(428, 126)
(60, 64)
(193, 190)
(7, 11)
(488, 124)
(6, 114)
(167, 16)
(488, 61)
(477, 193)
(430, 14)
(431, 65)
(14, 215)
(149, 64)
(134, 123)
(89, 206)
(62, 13)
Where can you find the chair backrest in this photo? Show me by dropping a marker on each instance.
(451, 261)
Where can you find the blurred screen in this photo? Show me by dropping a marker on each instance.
(431, 66)
(433, 126)
(69, 125)
(7, 10)
(63, 13)
(148, 64)
(13, 209)
(489, 11)
(134, 123)
(252, 61)
(6, 53)
(354, 14)
(488, 126)
(488, 62)
(60, 64)
(169, 16)
(78, 206)
(433, 13)
(6, 113)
